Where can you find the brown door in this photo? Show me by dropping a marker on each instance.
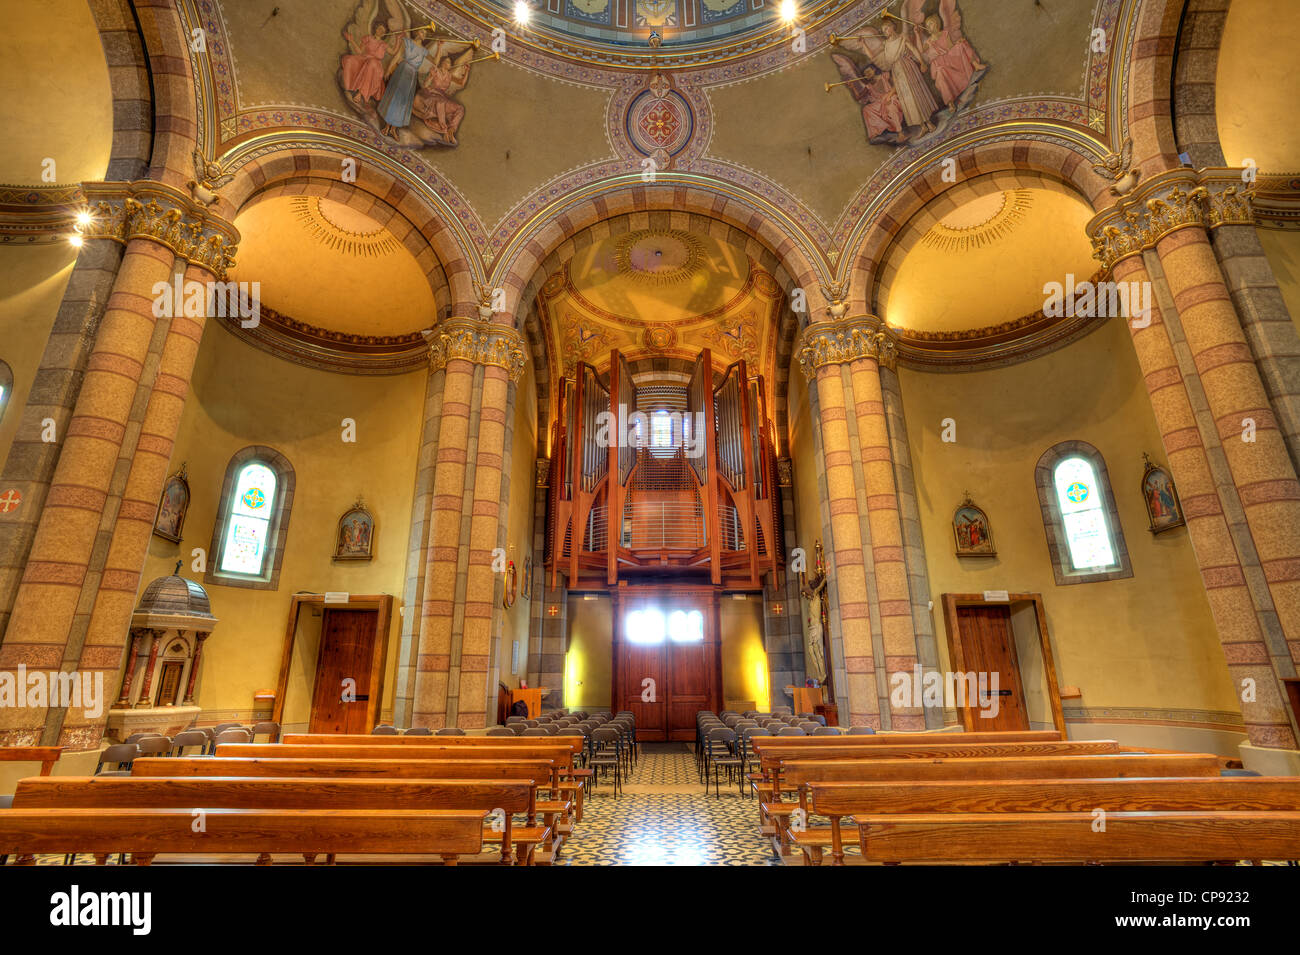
(988, 647)
(665, 681)
(341, 700)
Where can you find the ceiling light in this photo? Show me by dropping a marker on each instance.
(522, 12)
(789, 11)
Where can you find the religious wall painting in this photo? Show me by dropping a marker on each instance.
(912, 73)
(1164, 510)
(356, 534)
(403, 78)
(590, 11)
(172, 507)
(736, 337)
(971, 531)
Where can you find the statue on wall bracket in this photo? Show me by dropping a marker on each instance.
(817, 623)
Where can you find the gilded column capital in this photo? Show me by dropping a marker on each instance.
(1177, 199)
(480, 342)
(122, 211)
(835, 343)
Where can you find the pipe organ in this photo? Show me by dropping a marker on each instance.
(640, 493)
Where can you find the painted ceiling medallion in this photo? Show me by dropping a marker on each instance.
(327, 222)
(659, 257)
(980, 221)
(659, 121)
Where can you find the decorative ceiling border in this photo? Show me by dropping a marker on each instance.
(38, 214)
(1277, 201)
(324, 350)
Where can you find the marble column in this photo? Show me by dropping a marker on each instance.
(476, 360)
(155, 223)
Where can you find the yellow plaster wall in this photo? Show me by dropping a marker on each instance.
(588, 664)
(33, 279)
(242, 396)
(744, 661)
(57, 94)
(1146, 641)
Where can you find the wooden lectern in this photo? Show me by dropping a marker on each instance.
(532, 697)
(806, 699)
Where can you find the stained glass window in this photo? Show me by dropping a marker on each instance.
(1081, 500)
(248, 527)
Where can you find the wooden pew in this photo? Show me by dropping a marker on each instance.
(360, 739)
(914, 739)
(799, 774)
(771, 758)
(836, 800)
(1069, 837)
(539, 770)
(146, 833)
(561, 752)
(47, 756)
(143, 792)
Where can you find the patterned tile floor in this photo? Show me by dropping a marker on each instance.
(663, 817)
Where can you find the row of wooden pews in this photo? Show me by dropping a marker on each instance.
(420, 799)
(1015, 797)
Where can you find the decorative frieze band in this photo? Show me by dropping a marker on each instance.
(1177, 199)
(834, 343)
(122, 211)
(30, 214)
(482, 343)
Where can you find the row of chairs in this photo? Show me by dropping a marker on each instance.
(725, 741)
(120, 756)
(386, 729)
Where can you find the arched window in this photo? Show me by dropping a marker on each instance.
(1084, 537)
(253, 520)
(6, 387)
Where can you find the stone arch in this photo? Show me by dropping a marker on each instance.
(1041, 162)
(171, 75)
(295, 165)
(1150, 69)
(590, 232)
(1196, 122)
(128, 77)
(393, 219)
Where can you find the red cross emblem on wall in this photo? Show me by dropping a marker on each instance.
(10, 500)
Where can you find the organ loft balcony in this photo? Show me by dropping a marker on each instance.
(663, 482)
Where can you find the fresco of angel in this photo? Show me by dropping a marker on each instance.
(402, 78)
(911, 74)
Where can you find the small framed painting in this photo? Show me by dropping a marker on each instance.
(172, 507)
(1164, 510)
(971, 530)
(356, 534)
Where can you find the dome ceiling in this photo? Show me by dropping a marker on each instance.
(984, 265)
(332, 278)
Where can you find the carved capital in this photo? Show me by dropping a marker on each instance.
(1178, 199)
(122, 211)
(482, 343)
(835, 343)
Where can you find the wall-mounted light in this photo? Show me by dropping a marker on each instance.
(789, 11)
(523, 12)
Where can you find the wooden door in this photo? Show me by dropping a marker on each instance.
(988, 646)
(665, 683)
(347, 646)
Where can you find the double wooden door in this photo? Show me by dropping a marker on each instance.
(665, 681)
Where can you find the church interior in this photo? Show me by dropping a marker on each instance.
(863, 432)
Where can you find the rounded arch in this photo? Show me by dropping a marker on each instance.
(266, 163)
(133, 101)
(1196, 68)
(1150, 70)
(789, 273)
(176, 126)
(1066, 168)
(803, 263)
(378, 209)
